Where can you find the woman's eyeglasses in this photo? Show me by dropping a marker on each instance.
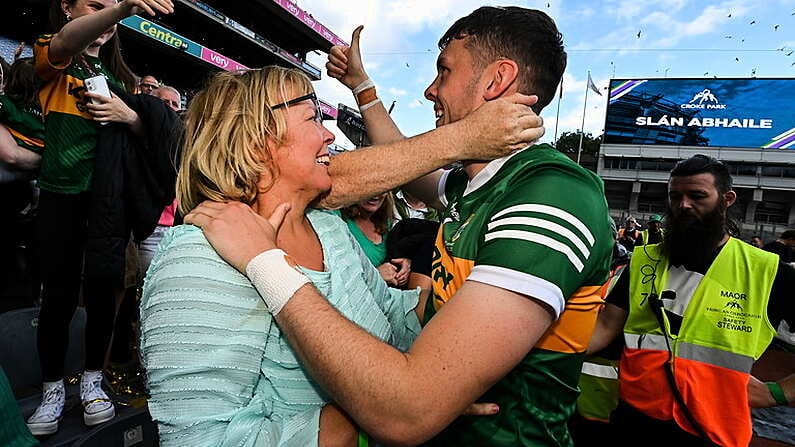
(315, 102)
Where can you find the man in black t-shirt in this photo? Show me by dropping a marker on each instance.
(784, 246)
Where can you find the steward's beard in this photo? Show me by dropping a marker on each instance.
(689, 240)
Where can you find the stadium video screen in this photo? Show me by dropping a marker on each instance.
(749, 113)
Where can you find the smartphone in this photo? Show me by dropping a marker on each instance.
(99, 86)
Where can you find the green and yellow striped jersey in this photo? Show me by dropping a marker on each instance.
(70, 132)
(24, 124)
(537, 224)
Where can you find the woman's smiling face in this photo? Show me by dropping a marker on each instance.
(303, 159)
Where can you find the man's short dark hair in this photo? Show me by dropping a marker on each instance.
(526, 36)
(788, 234)
(701, 164)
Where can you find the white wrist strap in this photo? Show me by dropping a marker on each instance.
(274, 278)
(367, 83)
(369, 104)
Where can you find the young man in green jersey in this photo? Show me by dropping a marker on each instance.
(523, 251)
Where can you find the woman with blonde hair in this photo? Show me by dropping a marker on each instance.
(219, 371)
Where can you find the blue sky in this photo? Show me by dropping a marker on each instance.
(678, 38)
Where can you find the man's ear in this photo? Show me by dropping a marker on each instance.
(729, 198)
(502, 75)
(66, 9)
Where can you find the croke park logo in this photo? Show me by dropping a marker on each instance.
(704, 99)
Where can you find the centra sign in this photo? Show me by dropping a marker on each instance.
(163, 35)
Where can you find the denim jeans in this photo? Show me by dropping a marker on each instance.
(147, 249)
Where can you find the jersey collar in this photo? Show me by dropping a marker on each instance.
(486, 174)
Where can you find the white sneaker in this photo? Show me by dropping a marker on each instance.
(44, 420)
(97, 407)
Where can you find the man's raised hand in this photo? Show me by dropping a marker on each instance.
(501, 126)
(345, 63)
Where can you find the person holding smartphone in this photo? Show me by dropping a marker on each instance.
(86, 45)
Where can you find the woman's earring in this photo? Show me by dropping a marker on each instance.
(68, 17)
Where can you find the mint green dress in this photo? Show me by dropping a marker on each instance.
(219, 371)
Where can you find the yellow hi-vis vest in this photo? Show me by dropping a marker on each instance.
(645, 236)
(599, 378)
(724, 330)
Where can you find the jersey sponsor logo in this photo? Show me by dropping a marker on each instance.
(440, 273)
(454, 215)
(65, 96)
(449, 273)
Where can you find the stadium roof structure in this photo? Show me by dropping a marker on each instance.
(201, 37)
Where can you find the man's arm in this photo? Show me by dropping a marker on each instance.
(336, 428)
(399, 398)
(610, 322)
(609, 325)
(365, 173)
(495, 129)
(760, 396)
(15, 156)
(345, 64)
(466, 348)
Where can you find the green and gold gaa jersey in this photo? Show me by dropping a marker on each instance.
(537, 224)
(70, 131)
(23, 123)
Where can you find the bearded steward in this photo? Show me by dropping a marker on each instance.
(696, 311)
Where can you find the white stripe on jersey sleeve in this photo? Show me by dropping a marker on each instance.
(538, 239)
(552, 211)
(546, 224)
(519, 282)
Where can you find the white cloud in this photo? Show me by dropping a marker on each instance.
(662, 23)
(709, 20)
(584, 13)
(385, 21)
(630, 10)
(396, 91)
